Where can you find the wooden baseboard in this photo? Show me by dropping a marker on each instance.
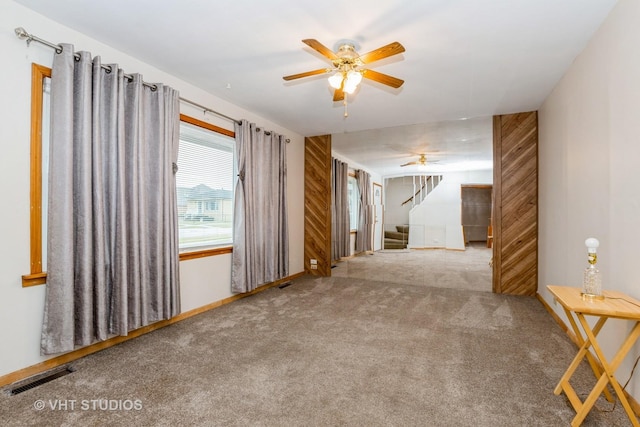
(632, 401)
(93, 348)
(558, 320)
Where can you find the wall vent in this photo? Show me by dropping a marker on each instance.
(36, 381)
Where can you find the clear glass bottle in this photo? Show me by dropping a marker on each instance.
(592, 282)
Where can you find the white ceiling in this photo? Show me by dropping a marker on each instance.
(449, 146)
(463, 59)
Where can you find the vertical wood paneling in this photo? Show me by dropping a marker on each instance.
(515, 229)
(317, 204)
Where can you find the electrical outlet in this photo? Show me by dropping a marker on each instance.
(314, 266)
(314, 261)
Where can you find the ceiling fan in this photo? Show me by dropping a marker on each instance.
(422, 161)
(348, 67)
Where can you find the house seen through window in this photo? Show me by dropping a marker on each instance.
(204, 182)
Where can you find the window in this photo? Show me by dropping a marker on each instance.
(354, 201)
(40, 95)
(205, 182)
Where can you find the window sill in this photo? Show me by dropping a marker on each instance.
(206, 253)
(34, 279)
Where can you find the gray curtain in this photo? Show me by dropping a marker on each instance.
(112, 250)
(260, 227)
(364, 236)
(340, 227)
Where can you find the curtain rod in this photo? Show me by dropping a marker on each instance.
(206, 109)
(202, 107)
(22, 34)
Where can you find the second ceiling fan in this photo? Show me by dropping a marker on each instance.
(422, 161)
(349, 67)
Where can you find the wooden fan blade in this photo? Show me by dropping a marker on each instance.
(409, 164)
(382, 78)
(319, 47)
(307, 74)
(383, 52)
(338, 95)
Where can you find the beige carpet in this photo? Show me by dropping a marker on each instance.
(334, 351)
(468, 269)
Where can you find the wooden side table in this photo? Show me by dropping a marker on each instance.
(615, 305)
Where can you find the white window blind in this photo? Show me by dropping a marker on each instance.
(354, 201)
(205, 182)
(44, 165)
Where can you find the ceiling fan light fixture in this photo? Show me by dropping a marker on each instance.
(353, 78)
(349, 88)
(335, 81)
(347, 67)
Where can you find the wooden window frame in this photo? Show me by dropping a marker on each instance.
(36, 276)
(218, 250)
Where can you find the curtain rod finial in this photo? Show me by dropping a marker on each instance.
(21, 33)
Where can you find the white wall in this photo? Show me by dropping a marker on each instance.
(437, 221)
(203, 280)
(589, 175)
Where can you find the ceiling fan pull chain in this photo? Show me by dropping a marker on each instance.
(344, 102)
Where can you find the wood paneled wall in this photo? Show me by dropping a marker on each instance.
(317, 204)
(515, 227)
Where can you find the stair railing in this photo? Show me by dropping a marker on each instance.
(426, 185)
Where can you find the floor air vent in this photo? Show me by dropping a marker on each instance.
(284, 285)
(43, 379)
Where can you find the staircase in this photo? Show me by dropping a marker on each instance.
(423, 185)
(426, 184)
(397, 239)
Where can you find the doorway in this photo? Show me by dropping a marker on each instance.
(378, 217)
(476, 212)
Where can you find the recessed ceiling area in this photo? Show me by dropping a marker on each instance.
(450, 146)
